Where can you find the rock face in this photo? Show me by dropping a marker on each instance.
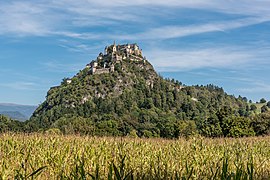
(120, 92)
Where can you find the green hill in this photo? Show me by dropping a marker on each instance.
(120, 93)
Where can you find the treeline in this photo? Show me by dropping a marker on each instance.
(135, 101)
(221, 124)
(7, 124)
(160, 111)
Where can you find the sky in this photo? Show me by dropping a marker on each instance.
(224, 42)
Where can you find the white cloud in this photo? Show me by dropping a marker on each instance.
(20, 85)
(54, 66)
(219, 57)
(76, 35)
(111, 9)
(75, 46)
(256, 87)
(46, 18)
(22, 18)
(167, 32)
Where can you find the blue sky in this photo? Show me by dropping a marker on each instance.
(223, 42)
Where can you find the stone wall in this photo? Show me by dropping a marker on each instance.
(101, 71)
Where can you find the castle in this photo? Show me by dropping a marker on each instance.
(113, 54)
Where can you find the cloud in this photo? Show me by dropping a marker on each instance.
(63, 17)
(256, 87)
(76, 35)
(22, 18)
(20, 85)
(75, 46)
(52, 18)
(218, 57)
(54, 66)
(168, 32)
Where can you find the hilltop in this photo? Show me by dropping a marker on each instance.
(120, 93)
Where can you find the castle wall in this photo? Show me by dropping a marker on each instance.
(115, 54)
(102, 71)
(135, 58)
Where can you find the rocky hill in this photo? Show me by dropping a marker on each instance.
(119, 93)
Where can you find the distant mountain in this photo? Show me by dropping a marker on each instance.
(16, 111)
(15, 115)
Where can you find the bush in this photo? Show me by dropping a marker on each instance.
(261, 124)
(253, 107)
(133, 134)
(186, 128)
(241, 127)
(147, 134)
(53, 131)
(262, 100)
(264, 109)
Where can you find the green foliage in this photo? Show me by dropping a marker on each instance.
(225, 124)
(135, 98)
(53, 131)
(253, 107)
(186, 129)
(262, 100)
(240, 127)
(261, 124)
(7, 124)
(73, 125)
(133, 134)
(264, 109)
(268, 104)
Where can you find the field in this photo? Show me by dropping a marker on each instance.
(39, 156)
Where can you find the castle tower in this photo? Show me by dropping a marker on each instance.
(136, 47)
(114, 47)
(94, 67)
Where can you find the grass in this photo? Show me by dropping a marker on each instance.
(38, 156)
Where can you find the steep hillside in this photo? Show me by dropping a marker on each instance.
(121, 94)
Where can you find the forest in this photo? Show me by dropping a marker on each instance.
(136, 101)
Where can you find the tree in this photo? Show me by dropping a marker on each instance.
(268, 104)
(240, 127)
(133, 134)
(245, 99)
(253, 107)
(264, 109)
(119, 102)
(261, 124)
(185, 128)
(210, 127)
(262, 100)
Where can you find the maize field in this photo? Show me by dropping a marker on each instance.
(44, 156)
